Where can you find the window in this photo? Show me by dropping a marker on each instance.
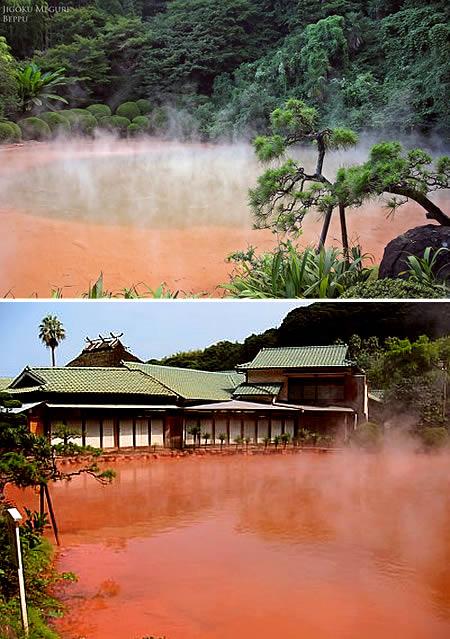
(316, 391)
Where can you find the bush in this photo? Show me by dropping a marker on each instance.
(144, 106)
(133, 130)
(115, 124)
(392, 288)
(368, 436)
(6, 132)
(17, 131)
(289, 272)
(59, 124)
(34, 129)
(128, 110)
(99, 110)
(141, 122)
(81, 121)
(434, 437)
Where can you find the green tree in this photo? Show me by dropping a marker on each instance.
(195, 40)
(51, 334)
(287, 191)
(9, 91)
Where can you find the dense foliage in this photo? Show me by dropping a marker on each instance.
(227, 64)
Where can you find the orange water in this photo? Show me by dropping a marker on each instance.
(304, 546)
(148, 211)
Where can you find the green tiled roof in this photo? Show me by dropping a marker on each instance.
(189, 383)
(5, 382)
(300, 357)
(92, 380)
(257, 389)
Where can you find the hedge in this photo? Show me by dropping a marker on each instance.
(57, 122)
(34, 129)
(393, 288)
(133, 130)
(8, 132)
(115, 124)
(128, 110)
(99, 110)
(141, 122)
(144, 106)
(81, 120)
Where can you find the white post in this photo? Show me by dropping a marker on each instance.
(17, 517)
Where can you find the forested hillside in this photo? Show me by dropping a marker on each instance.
(219, 67)
(325, 323)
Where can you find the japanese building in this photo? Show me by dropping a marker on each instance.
(135, 405)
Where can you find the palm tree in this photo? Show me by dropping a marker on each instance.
(285, 438)
(206, 436)
(36, 88)
(51, 333)
(195, 431)
(222, 438)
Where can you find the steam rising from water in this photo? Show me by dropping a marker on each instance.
(62, 198)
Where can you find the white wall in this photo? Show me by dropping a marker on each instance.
(125, 433)
(142, 431)
(157, 431)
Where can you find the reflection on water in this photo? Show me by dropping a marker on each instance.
(297, 546)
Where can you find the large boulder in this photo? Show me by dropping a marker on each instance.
(414, 242)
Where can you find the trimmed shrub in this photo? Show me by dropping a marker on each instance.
(434, 437)
(133, 130)
(141, 122)
(115, 124)
(393, 288)
(368, 436)
(120, 123)
(7, 133)
(82, 122)
(34, 129)
(99, 110)
(128, 110)
(17, 131)
(144, 106)
(59, 124)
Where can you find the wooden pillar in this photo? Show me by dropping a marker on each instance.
(256, 429)
(149, 430)
(213, 434)
(134, 432)
(242, 426)
(83, 429)
(116, 429)
(269, 428)
(101, 432)
(228, 428)
(283, 426)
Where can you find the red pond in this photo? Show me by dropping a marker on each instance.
(310, 546)
(148, 212)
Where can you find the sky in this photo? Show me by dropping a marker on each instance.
(151, 329)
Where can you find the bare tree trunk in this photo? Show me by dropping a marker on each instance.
(53, 356)
(325, 228)
(344, 233)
